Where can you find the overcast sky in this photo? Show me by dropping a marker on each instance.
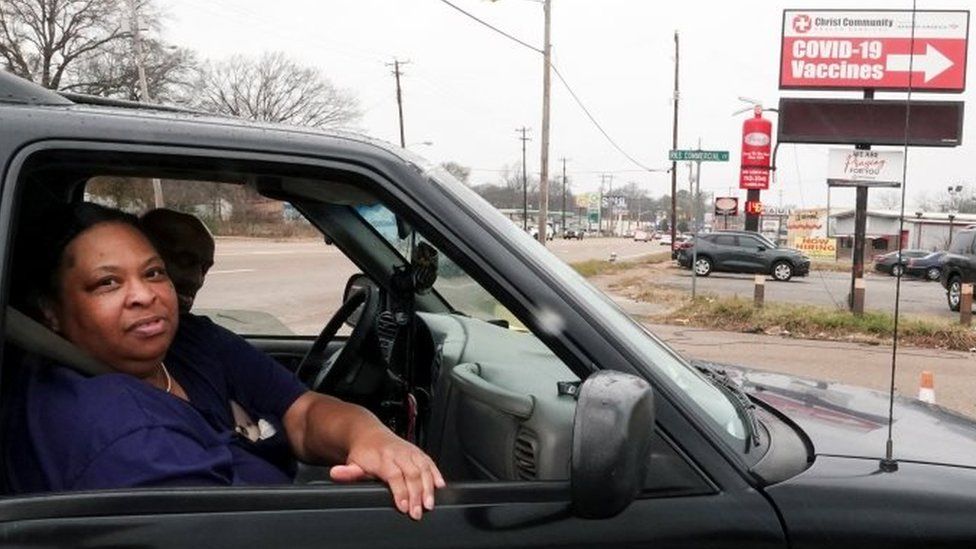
(467, 88)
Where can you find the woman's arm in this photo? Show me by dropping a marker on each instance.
(323, 428)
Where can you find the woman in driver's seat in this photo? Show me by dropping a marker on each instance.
(164, 417)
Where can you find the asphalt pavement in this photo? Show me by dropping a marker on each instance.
(825, 288)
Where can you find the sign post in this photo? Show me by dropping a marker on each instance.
(697, 156)
(872, 50)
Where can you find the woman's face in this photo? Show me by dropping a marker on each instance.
(114, 299)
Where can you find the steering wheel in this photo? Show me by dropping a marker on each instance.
(323, 374)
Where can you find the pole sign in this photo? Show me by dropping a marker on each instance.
(726, 205)
(837, 49)
(859, 168)
(757, 141)
(698, 156)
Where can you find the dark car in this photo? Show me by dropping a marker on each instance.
(889, 263)
(558, 420)
(743, 252)
(959, 266)
(928, 266)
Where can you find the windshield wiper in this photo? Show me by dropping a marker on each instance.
(744, 407)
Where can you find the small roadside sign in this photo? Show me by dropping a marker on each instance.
(698, 156)
(726, 205)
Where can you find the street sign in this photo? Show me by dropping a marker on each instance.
(836, 49)
(726, 205)
(698, 156)
(860, 168)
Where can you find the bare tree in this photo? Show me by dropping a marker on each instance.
(41, 39)
(274, 88)
(171, 72)
(886, 199)
(457, 170)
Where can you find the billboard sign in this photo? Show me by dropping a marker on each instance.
(860, 168)
(837, 49)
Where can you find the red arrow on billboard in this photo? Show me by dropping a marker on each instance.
(932, 63)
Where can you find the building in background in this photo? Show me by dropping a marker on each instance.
(922, 230)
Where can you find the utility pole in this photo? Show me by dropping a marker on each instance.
(525, 181)
(157, 185)
(607, 179)
(563, 159)
(674, 147)
(397, 72)
(544, 168)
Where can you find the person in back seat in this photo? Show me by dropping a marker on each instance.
(187, 248)
(163, 416)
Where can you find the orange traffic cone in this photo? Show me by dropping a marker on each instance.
(926, 389)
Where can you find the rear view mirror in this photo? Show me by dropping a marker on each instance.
(612, 433)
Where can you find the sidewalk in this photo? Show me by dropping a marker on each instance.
(851, 363)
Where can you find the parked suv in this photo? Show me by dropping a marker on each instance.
(743, 252)
(959, 266)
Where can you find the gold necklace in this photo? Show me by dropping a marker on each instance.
(169, 379)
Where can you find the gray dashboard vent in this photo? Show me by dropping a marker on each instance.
(526, 444)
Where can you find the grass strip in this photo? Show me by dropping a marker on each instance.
(813, 322)
(594, 267)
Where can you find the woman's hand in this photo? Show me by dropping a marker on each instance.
(410, 473)
(323, 428)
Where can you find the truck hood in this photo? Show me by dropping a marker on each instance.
(850, 421)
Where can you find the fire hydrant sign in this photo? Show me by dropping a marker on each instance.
(826, 49)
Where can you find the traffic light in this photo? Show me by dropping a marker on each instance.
(754, 207)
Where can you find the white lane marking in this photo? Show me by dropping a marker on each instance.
(230, 271)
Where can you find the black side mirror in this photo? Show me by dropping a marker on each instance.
(612, 433)
(761, 248)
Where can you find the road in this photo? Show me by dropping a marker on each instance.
(301, 282)
(918, 297)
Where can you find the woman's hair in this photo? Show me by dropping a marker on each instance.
(45, 247)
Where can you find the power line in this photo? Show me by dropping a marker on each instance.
(494, 28)
(597, 124)
(565, 83)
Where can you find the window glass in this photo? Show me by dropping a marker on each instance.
(725, 240)
(460, 291)
(272, 273)
(962, 243)
(750, 242)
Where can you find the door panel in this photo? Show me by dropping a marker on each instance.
(474, 515)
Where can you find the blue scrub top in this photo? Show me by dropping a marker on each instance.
(115, 431)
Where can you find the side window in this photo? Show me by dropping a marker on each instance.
(725, 240)
(749, 242)
(962, 243)
(272, 273)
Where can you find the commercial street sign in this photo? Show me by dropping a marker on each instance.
(698, 156)
(836, 49)
(860, 168)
